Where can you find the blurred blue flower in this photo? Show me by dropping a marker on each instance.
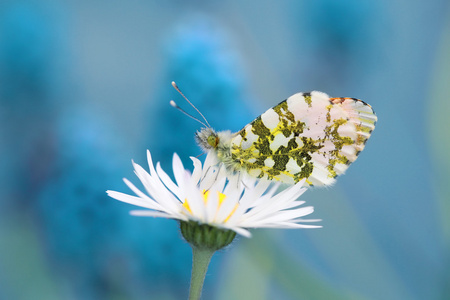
(27, 42)
(200, 59)
(84, 231)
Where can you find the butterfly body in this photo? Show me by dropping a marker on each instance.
(308, 135)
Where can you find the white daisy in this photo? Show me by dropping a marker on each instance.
(208, 196)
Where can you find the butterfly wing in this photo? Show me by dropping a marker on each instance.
(308, 135)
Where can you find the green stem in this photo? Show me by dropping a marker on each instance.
(200, 261)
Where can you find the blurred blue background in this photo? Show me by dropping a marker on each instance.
(85, 85)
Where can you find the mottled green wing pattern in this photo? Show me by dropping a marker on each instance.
(309, 135)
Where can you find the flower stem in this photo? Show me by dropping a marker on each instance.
(200, 261)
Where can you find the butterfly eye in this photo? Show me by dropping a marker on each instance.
(213, 140)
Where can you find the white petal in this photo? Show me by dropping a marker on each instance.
(211, 206)
(210, 160)
(219, 184)
(292, 204)
(209, 178)
(241, 231)
(289, 214)
(229, 203)
(147, 203)
(168, 182)
(308, 220)
(251, 194)
(157, 190)
(147, 180)
(150, 164)
(233, 187)
(195, 199)
(283, 225)
(197, 173)
(136, 190)
(267, 197)
(156, 214)
(178, 170)
(276, 203)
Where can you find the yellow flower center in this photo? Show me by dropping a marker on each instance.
(205, 195)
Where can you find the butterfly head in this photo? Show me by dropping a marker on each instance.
(207, 138)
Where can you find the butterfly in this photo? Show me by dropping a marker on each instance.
(308, 135)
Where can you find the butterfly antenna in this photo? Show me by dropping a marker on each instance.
(173, 104)
(178, 90)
